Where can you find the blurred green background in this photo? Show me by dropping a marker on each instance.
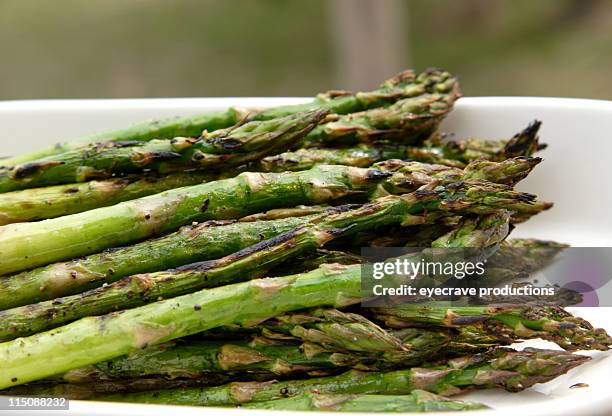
(163, 48)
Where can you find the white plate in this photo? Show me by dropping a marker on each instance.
(575, 175)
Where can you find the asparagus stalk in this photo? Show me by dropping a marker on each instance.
(361, 344)
(156, 129)
(518, 321)
(305, 158)
(500, 367)
(252, 261)
(327, 334)
(95, 339)
(411, 174)
(280, 213)
(403, 85)
(56, 201)
(418, 401)
(310, 261)
(470, 231)
(460, 153)
(312, 342)
(89, 390)
(220, 149)
(192, 243)
(410, 121)
(260, 357)
(27, 245)
(524, 143)
(477, 231)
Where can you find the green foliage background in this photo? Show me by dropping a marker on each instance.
(156, 48)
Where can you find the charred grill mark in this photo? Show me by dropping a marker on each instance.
(341, 208)
(124, 143)
(197, 155)
(89, 174)
(375, 175)
(467, 320)
(526, 197)
(455, 185)
(205, 205)
(204, 266)
(424, 193)
(532, 129)
(163, 155)
(146, 158)
(524, 141)
(30, 169)
(72, 190)
(336, 232)
(227, 143)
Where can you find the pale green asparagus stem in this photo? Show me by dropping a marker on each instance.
(95, 339)
(27, 245)
(252, 261)
(192, 243)
(56, 201)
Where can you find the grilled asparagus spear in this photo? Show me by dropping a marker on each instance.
(523, 144)
(56, 201)
(95, 339)
(460, 153)
(192, 243)
(220, 149)
(27, 245)
(500, 367)
(408, 121)
(247, 193)
(403, 85)
(514, 321)
(253, 261)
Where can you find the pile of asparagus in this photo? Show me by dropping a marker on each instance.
(214, 259)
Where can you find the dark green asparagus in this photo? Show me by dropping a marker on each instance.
(523, 144)
(95, 339)
(403, 85)
(27, 245)
(520, 321)
(459, 153)
(253, 261)
(220, 149)
(500, 367)
(408, 121)
(192, 243)
(230, 198)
